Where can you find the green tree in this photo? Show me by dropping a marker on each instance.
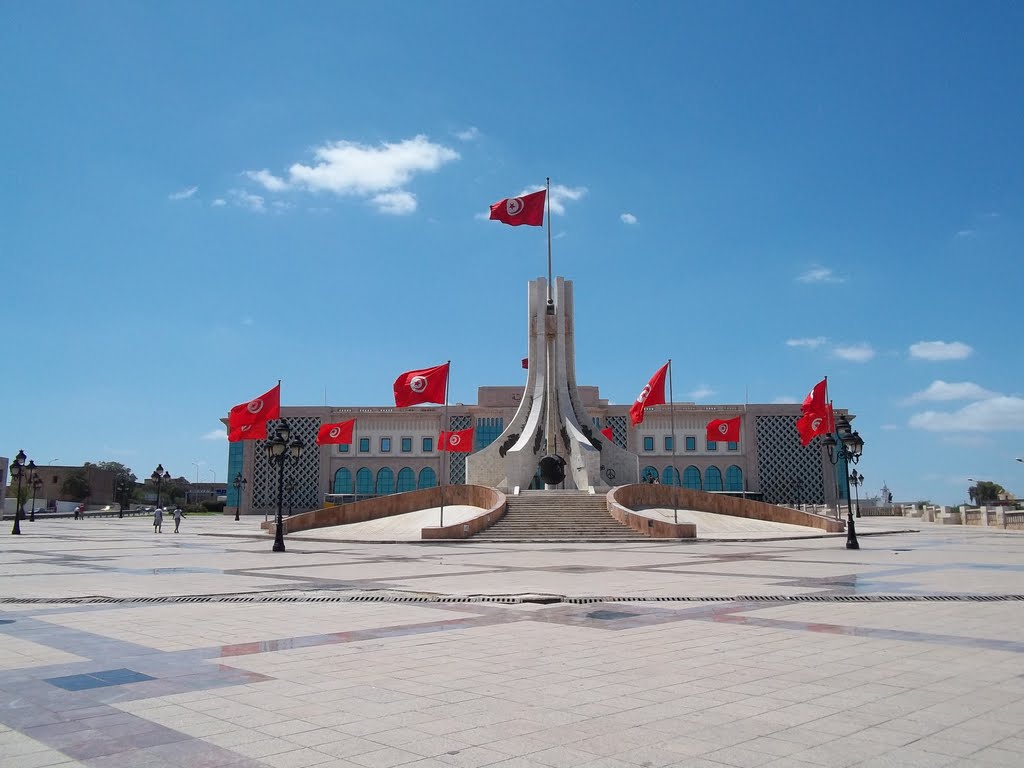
(76, 486)
(116, 467)
(985, 491)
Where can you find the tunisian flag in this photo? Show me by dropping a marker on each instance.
(652, 394)
(457, 442)
(428, 385)
(528, 209)
(339, 433)
(259, 410)
(817, 398)
(811, 424)
(248, 432)
(724, 429)
(608, 433)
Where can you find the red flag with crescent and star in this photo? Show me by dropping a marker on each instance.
(428, 385)
(460, 441)
(817, 398)
(527, 209)
(724, 429)
(812, 424)
(339, 433)
(652, 394)
(248, 432)
(259, 410)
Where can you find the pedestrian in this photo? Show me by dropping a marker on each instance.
(178, 514)
(158, 519)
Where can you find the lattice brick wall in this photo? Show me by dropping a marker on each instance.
(782, 461)
(457, 461)
(306, 473)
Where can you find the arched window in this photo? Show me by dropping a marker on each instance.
(649, 475)
(734, 478)
(428, 478)
(691, 478)
(406, 480)
(343, 481)
(712, 479)
(670, 476)
(385, 481)
(364, 482)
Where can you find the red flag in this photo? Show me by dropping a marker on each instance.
(652, 394)
(724, 429)
(258, 410)
(815, 400)
(458, 442)
(336, 434)
(428, 385)
(528, 209)
(811, 424)
(526, 362)
(607, 432)
(248, 432)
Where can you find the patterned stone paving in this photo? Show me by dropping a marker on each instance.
(297, 681)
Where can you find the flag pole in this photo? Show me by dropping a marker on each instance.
(444, 428)
(672, 422)
(547, 201)
(832, 432)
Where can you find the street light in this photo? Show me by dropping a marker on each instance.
(124, 489)
(856, 481)
(239, 485)
(848, 448)
(17, 469)
(798, 484)
(159, 476)
(214, 473)
(278, 450)
(37, 483)
(290, 487)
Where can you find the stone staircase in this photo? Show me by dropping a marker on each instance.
(558, 516)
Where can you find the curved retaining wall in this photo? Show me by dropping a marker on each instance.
(623, 500)
(490, 500)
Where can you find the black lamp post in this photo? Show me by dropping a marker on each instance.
(278, 450)
(856, 481)
(290, 487)
(239, 485)
(123, 488)
(848, 447)
(37, 483)
(17, 469)
(158, 477)
(798, 484)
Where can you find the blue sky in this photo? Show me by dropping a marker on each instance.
(202, 198)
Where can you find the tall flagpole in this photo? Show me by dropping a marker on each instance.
(549, 346)
(444, 428)
(547, 201)
(672, 422)
(832, 431)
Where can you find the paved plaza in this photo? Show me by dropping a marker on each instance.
(124, 648)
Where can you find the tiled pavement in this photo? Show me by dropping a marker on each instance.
(772, 653)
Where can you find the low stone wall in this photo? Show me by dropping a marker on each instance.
(491, 501)
(626, 498)
(656, 529)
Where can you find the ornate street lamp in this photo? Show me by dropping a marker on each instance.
(124, 489)
(798, 484)
(856, 481)
(239, 485)
(278, 450)
(37, 483)
(848, 447)
(17, 469)
(158, 477)
(290, 487)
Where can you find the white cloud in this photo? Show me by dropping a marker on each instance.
(399, 203)
(854, 353)
(1000, 413)
(890, 427)
(268, 180)
(215, 434)
(184, 194)
(244, 199)
(220, 201)
(560, 194)
(247, 320)
(940, 350)
(810, 343)
(785, 400)
(701, 392)
(469, 134)
(940, 390)
(818, 274)
(965, 233)
(628, 218)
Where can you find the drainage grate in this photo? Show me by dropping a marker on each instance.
(501, 599)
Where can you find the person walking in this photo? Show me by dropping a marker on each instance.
(158, 519)
(178, 514)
